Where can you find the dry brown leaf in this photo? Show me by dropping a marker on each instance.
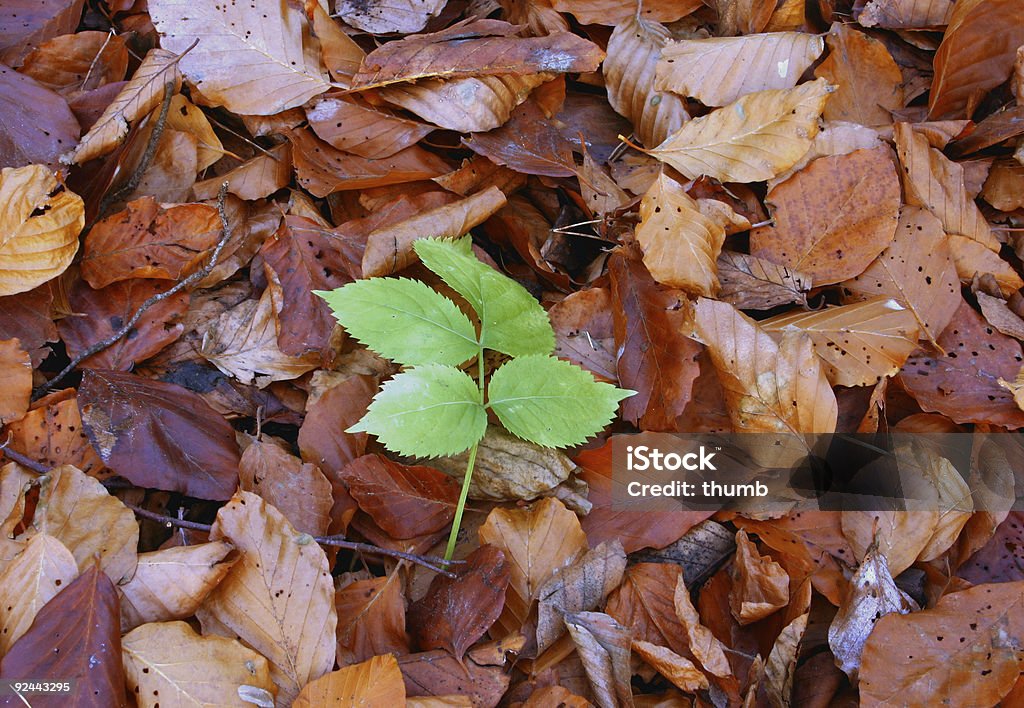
(242, 342)
(52, 433)
(603, 645)
(186, 117)
(29, 581)
(780, 669)
(362, 130)
(297, 489)
(36, 124)
(279, 597)
(580, 587)
(168, 663)
(837, 243)
(171, 583)
(769, 387)
(388, 16)
(834, 138)
(263, 69)
(135, 100)
(644, 602)
(530, 142)
(15, 381)
(872, 594)
(760, 586)
(860, 343)
(742, 16)
(966, 649)
(340, 53)
(752, 283)
(869, 83)
(24, 24)
(77, 510)
(720, 70)
(633, 52)
(680, 244)
(171, 174)
(934, 182)
(906, 14)
(38, 228)
(972, 259)
(469, 105)
(371, 619)
(976, 55)
(537, 542)
(618, 12)
(701, 641)
(917, 269)
(256, 178)
(1000, 316)
(677, 669)
(390, 248)
(1004, 186)
(753, 139)
(583, 332)
(376, 682)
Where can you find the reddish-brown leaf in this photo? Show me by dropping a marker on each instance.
(482, 675)
(364, 130)
(760, 585)
(73, 63)
(371, 619)
(869, 82)
(36, 125)
(1000, 560)
(456, 612)
(298, 489)
(645, 602)
(159, 435)
(655, 358)
(404, 501)
(97, 314)
(963, 384)
(15, 381)
(52, 434)
(26, 317)
(25, 24)
(147, 240)
(584, 333)
(75, 637)
(529, 142)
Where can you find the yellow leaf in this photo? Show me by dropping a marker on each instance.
(15, 381)
(376, 683)
(38, 229)
(168, 663)
(680, 244)
(753, 139)
(719, 70)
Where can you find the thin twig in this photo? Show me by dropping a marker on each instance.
(27, 462)
(147, 157)
(431, 562)
(190, 280)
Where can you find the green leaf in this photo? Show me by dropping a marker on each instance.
(551, 402)
(511, 320)
(404, 320)
(426, 411)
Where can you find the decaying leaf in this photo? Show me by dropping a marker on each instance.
(29, 581)
(363, 130)
(389, 15)
(760, 585)
(37, 125)
(677, 669)
(371, 619)
(755, 138)
(752, 283)
(869, 82)
(603, 645)
(297, 489)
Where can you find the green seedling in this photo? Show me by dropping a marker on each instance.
(434, 408)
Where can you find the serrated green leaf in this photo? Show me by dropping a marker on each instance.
(427, 411)
(511, 320)
(404, 320)
(551, 402)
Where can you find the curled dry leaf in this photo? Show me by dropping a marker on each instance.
(976, 55)
(171, 583)
(39, 224)
(371, 619)
(255, 178)
(183, 116)
(720, 70)
(680, 244)
(906, 14)
(629, 71)
(966, 649)
(603, 645)
(297, 489)
(376, 682)
(29, 581)
(580, 587)
(243, 342)
(831, 245)
(768, 387)
(677, 669)
(148, 240)
(278, 598)
(780, 669)
(536, 542)
(871, 595)
(869, 82)
(167, 662)
(263, 70)
(963, 383)
(135, 100)
(363, 130)
(974, 260)
(644, 603)
(468, 105)
(475, 47)
(917, 269)
(760, 586)
(159, 435)
(36, 125)
(96, 527)
(753, 139)
(15, 381)
(655, 358)
(752, 283)
(75, 637)
(389, 16)
(859, 343)
(456, 612)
